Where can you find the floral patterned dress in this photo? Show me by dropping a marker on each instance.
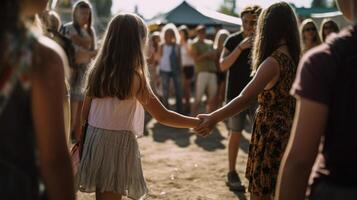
(271, 130)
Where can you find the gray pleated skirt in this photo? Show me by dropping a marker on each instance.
(111, 163)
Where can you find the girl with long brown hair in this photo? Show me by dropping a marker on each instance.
(275, 57)
(116, 95)
(328, 26)
(83, 37)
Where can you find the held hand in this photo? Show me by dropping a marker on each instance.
(206, 125)
(246, 43)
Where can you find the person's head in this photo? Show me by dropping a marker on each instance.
(82, 16)
(221, 36)
(120, 58)
(249, 16)
(184, 34)
(201, 32)
(348, 9)
(15, 11)
(170, 34)
(50, 20)
(279, 19)
(309, 33)
(12, 17)
(328, 26)
(31, 7)
(155, 39)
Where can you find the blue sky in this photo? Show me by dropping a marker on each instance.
(149, 8)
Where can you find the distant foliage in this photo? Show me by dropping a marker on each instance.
(228, 7)
(103, 7)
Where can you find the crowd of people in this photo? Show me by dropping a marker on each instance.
(286, 82)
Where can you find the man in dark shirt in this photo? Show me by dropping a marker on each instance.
(235, 59)
(326, 117)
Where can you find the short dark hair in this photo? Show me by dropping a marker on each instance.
(255, 10)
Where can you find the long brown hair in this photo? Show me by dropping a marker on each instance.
(120, 58)
(79, 5)
(333, 26)
(275, 23)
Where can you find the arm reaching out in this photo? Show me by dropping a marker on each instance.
(268, 72)
(167, 117)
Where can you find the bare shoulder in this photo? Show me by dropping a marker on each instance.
(50, 56)
(270, 63)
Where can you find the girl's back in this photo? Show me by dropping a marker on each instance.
(113, 114)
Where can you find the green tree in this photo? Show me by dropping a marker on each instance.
(103, 7)
(228, 7)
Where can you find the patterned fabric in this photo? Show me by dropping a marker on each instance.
(18, 163)
(10, 76)
(271, 130)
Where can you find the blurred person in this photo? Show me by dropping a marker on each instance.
(310, 37)
(170, 65)
(328, 26)
(187, 65)
(34, 159)
(81, 32)
(235, 59)
(275, 57)
(117, 94)
(153, 61)
(324, 130)
(218, 46)
(51, 24)
(204, 58)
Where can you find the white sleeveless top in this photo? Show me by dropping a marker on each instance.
(113, 114)
(165, 64)
(186, 59)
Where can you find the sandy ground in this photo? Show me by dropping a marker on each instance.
(180, 165)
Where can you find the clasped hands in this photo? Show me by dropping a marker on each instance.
(206, 126)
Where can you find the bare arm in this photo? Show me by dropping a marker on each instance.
(85, 109)
(228, 58)
(163, 115)
(267, 72)
(309, 125)
(47, 107)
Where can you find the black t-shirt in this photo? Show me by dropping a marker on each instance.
(239, 73)
(327, 74)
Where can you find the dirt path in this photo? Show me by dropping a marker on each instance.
(178, 165)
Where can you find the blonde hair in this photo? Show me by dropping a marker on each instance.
(221, 36)
(120, 59)
(316, 39)
(173, 28)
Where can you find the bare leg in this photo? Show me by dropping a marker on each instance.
(186, 93)
(77, 125)
(74, 110)
(233, 148)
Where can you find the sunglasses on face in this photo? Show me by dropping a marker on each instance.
(311, 29)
